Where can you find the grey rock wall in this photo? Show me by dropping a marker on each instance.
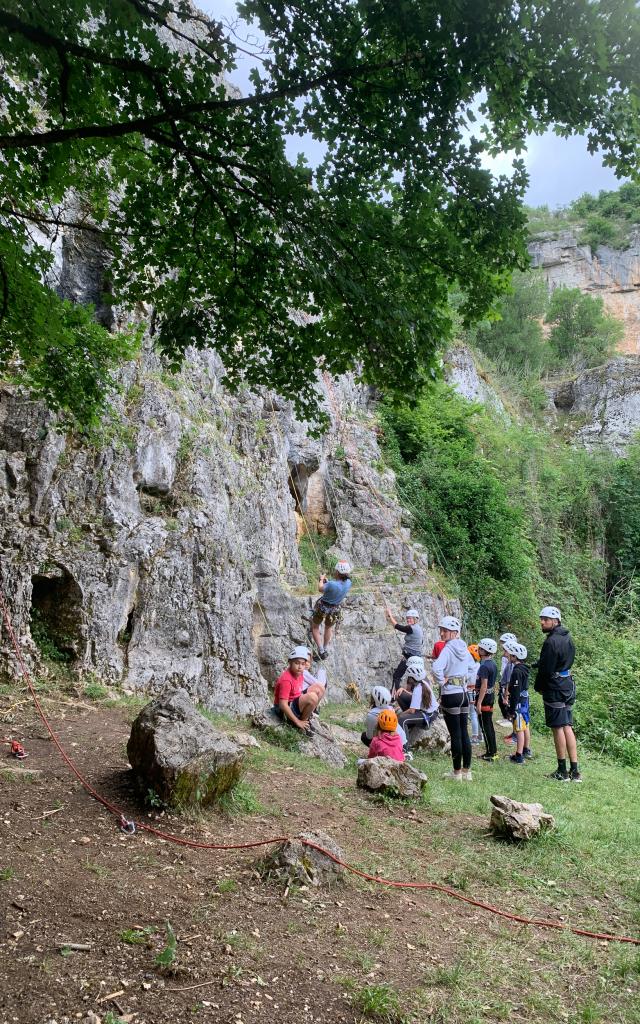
(608, 273)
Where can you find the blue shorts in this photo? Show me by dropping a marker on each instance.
(521, 721)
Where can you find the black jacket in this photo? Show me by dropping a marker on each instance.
(557, 655)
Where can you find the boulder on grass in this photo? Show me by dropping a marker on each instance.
(319, 744)
(389, 777)
(176, 752)
(435, 739)
(293, 861)
(511, 819)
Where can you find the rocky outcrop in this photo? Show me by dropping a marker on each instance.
(602, 405)
(390, 778)
(467, 380)
(511, 819)
(179, 756)
(609, 273)
(320, 743)
(298, 861)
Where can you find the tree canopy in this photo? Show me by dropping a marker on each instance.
(118, 117)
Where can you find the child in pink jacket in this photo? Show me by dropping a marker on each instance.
(386, 742)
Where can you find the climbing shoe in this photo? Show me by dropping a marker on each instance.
(323, 654)
(558, 776)
(575, 776)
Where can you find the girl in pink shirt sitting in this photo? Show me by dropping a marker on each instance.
(386, 742)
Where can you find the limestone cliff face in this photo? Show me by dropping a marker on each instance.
(608, 273)
(169, 551)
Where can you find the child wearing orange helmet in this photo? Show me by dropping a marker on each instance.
(386, 742)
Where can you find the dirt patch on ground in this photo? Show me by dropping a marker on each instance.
(246, 950)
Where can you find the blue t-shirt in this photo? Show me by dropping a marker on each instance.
(335, 591)
(487, 669)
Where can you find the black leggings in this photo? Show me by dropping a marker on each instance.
(457, 724)
(489, 733)
(398, 674)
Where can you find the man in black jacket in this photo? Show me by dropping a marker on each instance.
(555, 682)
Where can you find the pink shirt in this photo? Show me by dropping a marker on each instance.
(387, 744)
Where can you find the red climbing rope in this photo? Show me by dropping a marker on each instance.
(131, 826)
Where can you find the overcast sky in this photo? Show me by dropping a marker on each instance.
(560, 170)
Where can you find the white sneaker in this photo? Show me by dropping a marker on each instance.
(467, 776)
(455, 776)
(408, 756)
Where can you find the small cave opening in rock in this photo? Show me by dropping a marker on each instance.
(125, 634)
(56, 615)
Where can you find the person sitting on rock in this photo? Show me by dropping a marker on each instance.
(423, 706)
(402, 696)
(316, 685)
(380, 699)
(386, 742)
(289, 702)
(326, 611)
(413, 639)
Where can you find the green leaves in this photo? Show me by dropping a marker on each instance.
(121, 107)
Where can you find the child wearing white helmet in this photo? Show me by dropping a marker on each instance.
(519, 700)
(485, 696)
(289, 702)
(413, 639)
(380, 699)
(505, 674)
(422, 705)
(326, 611)
(451, 670)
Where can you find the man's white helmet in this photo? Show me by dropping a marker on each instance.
(506, 637)
(412, 613)
(551, 612)
(418, 672)
(381, 696)
(415, 661)
(519, 651)
(299, 652)
(343, 567)
(488, 645)
(450, 622)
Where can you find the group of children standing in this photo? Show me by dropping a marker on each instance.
(468, 679)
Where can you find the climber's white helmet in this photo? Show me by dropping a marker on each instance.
(508, 637)
(488, 645)
(343, 567)
(415, 661)
(551, 612)
(450, 622)
(519, 651)
(418, 672)
(412, 613)
(299, 652)
(381, 696)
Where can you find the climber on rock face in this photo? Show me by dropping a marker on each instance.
(289, 702)
(326, 611)
(413, 639)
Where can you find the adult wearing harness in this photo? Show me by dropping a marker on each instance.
(452, 669)
(413, 639)
(555, 683)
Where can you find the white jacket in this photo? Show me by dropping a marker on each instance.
(454, 662)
